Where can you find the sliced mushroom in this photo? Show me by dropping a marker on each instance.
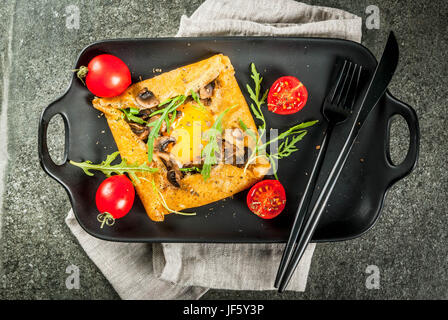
(233, 148)
(174, 175)
(233, 135)
(140, 130)
(235, 155)
(207, 91)
(146, 99)
(228, 150)
(164, 157)
(145, 113)
(178, 114)
(162, 142)
(206, 102)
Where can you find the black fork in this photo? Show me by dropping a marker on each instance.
(337, 107)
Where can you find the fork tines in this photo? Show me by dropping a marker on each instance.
(345, 89)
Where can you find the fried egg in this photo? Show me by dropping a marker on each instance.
(189, 129)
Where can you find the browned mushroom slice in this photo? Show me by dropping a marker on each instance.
(227, 151)
(145, 113)
(207, 91)
(235, 155)
(178, 114)
(164, 157)
(162, 143)
(140, 130)
(206, 102)
(146, 99)
(233, 135)
(174, 175)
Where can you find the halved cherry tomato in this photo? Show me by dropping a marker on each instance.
(106, 75)
(267, 199)
(114, 198)
(287, 95)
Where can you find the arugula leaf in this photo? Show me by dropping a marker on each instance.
(190, 169)
(209, 151)
(242, 124)
(196, 98)
(297, 129)
(108, 168)
(212, 147)
(165, 102)
(255, 96)
(172, 106)
(131, 115)
(287, 147)
(169, 100)
(250, 132)
(169, 119)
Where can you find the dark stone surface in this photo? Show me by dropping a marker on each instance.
(408, 244)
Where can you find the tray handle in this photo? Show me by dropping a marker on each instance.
(408, 113)
(54, 170)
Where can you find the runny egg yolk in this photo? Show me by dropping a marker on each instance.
(188, 130)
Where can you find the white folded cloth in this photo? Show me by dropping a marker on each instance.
(269, 18)
(187, 270)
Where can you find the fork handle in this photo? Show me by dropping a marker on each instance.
(318, 209)
(303, 208)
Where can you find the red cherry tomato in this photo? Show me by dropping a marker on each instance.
(287, 95)
(267, 199)
(107, 76)
(115, 196)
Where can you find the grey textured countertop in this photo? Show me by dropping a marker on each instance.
(408, 244)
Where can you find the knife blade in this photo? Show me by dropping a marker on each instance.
(381, 78)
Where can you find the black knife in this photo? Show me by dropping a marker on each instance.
(376, 89)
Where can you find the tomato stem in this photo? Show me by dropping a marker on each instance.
(106, 218)
(81, 73)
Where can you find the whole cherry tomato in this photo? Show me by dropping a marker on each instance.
(114, 198)
(287, 95)
(267, 199)
(106, 76)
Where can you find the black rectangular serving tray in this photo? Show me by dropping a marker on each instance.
(357, 199)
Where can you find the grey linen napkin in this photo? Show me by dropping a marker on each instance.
(186, 271)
